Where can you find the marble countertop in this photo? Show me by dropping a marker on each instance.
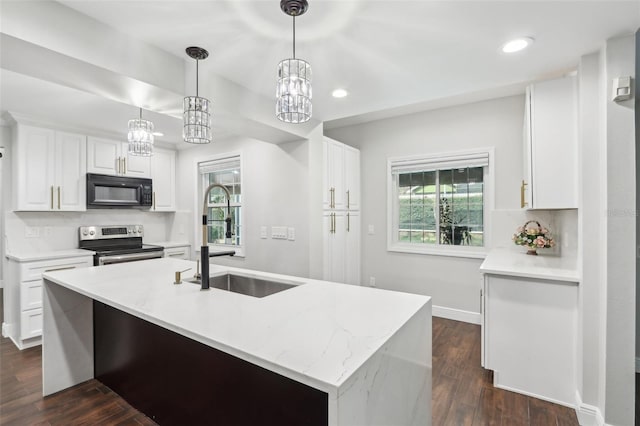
(318, 333)
(519, 264)
(48, 255)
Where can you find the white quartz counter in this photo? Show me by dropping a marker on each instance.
(48, 255)
(170, 244)
(519, 264)
(318, 333)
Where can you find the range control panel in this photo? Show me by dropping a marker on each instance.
(107, 232)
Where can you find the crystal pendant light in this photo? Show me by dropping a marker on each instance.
(293, 92)
(197, 111)
(140, 137)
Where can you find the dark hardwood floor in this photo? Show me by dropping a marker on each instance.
(462, 390)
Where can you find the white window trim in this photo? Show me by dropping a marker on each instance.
(197, 205)
(442, 250)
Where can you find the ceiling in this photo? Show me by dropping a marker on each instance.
(387, 54)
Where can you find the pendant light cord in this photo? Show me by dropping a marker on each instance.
(141, 114)
(294, 36)
(197, 78)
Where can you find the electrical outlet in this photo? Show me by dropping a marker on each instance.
(372, 281)
(291, 234)
(371, 230)
(263, 232)
(279, 232)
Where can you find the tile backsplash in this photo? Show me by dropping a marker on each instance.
(42, 231)
(562, 223)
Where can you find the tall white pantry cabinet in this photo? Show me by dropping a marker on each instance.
(341, 212)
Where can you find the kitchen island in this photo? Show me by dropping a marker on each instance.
(341, 354)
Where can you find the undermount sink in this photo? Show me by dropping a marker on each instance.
(250, 286)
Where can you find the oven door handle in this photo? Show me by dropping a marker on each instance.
(106, 260)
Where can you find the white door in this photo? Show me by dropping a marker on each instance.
(336, 159)
(352, 178)
(163, 173)
(35, 168)
(135, 165)
(334, 246)
(103, 156)
(71, 168)
(352, 248)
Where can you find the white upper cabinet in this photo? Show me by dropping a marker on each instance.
(70, 171)
(341, 189)
(163, 174)
(352, 178)
(111, 157)
(50, 170)
(550, 145)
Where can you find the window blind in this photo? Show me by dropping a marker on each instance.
(426, 164)
(220, 165)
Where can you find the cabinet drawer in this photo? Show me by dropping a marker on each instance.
(30, 295)
(33, 270)
(178, 252)
(31, 323)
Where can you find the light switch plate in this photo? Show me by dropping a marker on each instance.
(279, 232)
(371, 230)
(291, 234)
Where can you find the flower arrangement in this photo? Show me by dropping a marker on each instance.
(533, 237)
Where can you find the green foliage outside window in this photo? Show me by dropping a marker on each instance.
(441, 207)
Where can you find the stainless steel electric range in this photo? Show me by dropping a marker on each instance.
(117, 244)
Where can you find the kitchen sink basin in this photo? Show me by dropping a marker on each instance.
(250, 286)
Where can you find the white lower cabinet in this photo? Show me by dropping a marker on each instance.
(529, 332)
(341, 257)
(23, 296)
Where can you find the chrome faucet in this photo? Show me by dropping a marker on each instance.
(204, 250)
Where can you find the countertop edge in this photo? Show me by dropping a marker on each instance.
(50, 255)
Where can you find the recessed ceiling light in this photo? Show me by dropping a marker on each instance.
(339, 93)
(159, 134)
(517, 44)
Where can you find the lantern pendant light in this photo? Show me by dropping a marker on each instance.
(293, 92)
(140, 137)
(197, 111)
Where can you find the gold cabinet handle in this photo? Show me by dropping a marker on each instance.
(124, 165)
(58, 198)
(522, 189)
(51, 197)
(348, 220)
(154, 199)
(333, 223)
(118, 165)
(331, 199)
(348, 200)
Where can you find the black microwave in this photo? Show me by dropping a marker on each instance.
(112, 192)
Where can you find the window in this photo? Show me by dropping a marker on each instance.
(438, 204)
(225, 171)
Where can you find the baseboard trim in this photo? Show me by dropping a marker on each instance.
(637, 364)
(456, 314)
(588, 415)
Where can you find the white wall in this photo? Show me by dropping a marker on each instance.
(620, 246)
(591, 199)
(453, 282)
(275, 192)
(5, 141)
